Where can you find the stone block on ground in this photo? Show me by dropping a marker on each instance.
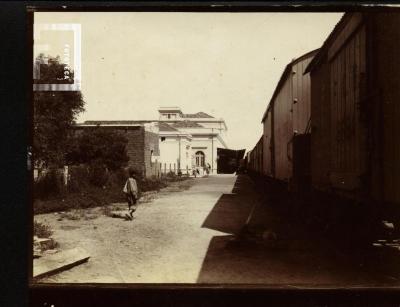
(51, 264)
(123, 214)
(42, 244)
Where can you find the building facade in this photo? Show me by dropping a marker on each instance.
(190, 140)
(176, 142)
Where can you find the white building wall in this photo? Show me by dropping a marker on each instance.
(186, 158)
(196, 139)
(209, 148)
(169, 154)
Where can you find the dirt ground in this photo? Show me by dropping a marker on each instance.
(189, 233)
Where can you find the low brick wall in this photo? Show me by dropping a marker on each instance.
(135, 148)
(141, 146)
(151, 148)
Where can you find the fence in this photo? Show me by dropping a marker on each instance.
(160, 169)
(39, 173)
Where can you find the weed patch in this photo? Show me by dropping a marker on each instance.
(82, 193)
(41, 230)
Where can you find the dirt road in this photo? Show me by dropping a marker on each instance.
(190, 236)
(165, 242)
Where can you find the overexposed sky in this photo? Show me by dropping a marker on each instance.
(224, 64)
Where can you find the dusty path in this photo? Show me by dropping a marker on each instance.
(165, 243)
(189, 237)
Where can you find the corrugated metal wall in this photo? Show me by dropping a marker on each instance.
(283, 131)
(386, 78)
(347, 83)
(301, 92)
(267, 154)
(291, 112)
(320, 140)
(256, 157)
(259, 155)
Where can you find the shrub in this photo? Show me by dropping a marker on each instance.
(117, 178)
(171, 174)
(41, 231)
(106, 147)
(98, 175)
(78, 178)
(150, 184)
(87, 189)
(51, 184)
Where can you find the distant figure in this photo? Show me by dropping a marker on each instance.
(194, 173)
(205, 170)
(208, 168)
(131, 192)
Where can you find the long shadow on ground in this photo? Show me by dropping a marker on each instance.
(274, 251)
(231, 211)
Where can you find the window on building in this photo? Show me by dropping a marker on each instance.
(200, 157)
(169, 116)
(162, 138)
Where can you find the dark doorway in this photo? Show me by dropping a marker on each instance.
(229, 160)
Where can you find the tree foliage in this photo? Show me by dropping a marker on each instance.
(99, 147)
(54, 113)
(52, 71)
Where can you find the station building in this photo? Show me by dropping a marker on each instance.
(174, 142)
(190, 140)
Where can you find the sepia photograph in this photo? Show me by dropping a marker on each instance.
(216, 148)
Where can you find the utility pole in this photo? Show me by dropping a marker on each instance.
(212, 150)
(179, 159)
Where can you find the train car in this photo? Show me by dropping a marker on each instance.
(268, 145)
(287, 125)
(247, 162)
(229, 160)
(255, 158)
(355, 78)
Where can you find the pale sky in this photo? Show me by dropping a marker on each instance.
(224, 64)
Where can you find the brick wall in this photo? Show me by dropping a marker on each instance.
(151, 143)
(139, 147)
(135, 148)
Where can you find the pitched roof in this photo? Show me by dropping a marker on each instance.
(284, 76)
(187, 124)
(165, 127)
(115, 122)
(328, 41)
(197, 115)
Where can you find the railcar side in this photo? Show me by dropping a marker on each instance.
(355, 111)
(287, 126)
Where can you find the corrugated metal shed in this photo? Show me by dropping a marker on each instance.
(384, 90)
(289, 112)
(355, 88)
(268, 145)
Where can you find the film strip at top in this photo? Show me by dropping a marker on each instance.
(61, 41)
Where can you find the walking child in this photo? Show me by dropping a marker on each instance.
(131, 192)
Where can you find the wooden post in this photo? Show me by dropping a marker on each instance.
(65, 175)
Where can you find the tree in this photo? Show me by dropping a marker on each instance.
(99, 147)
(54, 113)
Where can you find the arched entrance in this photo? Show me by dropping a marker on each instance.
(200, 159)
